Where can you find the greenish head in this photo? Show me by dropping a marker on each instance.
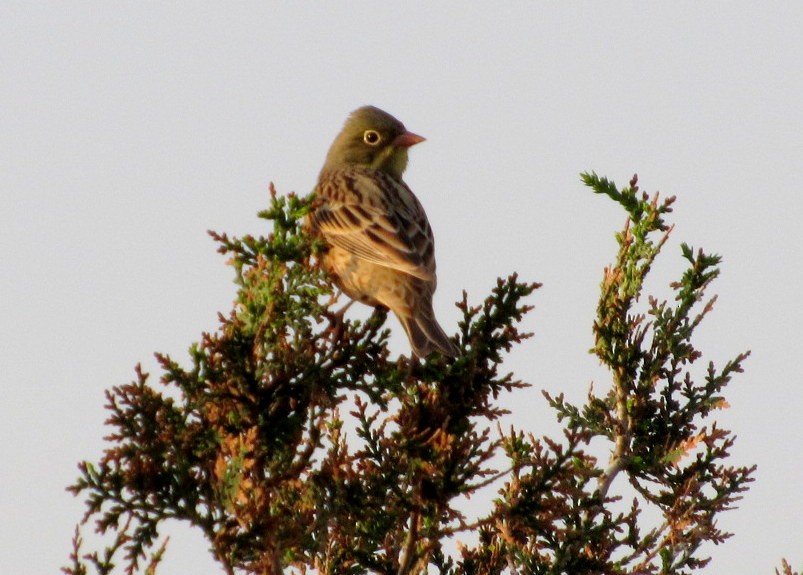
(372, 139)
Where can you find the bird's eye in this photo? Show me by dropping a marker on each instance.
(371, 137)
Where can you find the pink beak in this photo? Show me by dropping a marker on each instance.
(407, 139)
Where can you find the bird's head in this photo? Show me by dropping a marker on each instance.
(372, 139)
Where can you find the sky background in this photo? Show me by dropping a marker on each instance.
(128, 129)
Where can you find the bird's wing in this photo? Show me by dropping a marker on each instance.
(374, 217)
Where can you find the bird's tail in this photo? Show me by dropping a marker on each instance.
(426, 335)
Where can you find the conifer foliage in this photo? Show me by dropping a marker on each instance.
(294, 441)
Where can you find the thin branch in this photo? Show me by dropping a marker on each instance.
(408, 552)
(624, 435)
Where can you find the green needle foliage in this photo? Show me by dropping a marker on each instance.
(294, 441)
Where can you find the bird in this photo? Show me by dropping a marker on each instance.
(381, 249)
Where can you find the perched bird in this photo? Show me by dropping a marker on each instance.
(380, 246)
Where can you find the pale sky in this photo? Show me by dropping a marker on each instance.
(127, 129)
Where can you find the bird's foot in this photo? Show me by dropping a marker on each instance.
(336, 322)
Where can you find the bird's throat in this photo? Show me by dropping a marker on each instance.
(392, 161)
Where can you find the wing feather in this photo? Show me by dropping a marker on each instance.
(373, 216)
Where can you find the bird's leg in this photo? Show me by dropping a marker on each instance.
(335, 329)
